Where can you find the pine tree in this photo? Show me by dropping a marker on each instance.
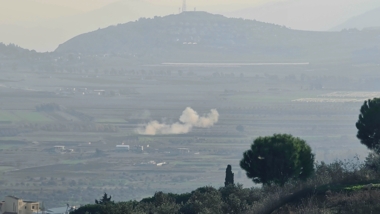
(368, 124)
(104, 200)
(278, 158)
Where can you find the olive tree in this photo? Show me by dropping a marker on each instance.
(278, 158)
(368, 124)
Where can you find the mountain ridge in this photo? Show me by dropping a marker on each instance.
(201, 35)
(178, 24)
(368, 19)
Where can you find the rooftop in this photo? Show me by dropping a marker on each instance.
(31, 201)
(14, 197)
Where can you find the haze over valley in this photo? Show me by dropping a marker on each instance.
(136, 97)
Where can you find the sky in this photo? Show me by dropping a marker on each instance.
(44, 24)
(86, 5)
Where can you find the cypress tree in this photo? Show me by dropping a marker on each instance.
(229, 176)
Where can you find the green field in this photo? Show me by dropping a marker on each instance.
(94, 80)
(7, 117)
(6, 146)
(23, 116)
(4, 168)
(111, 120)
(270, 97)
(70, 162)
(32, 117)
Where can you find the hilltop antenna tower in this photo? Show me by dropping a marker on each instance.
(184, 6)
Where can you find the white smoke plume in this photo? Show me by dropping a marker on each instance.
(188, 120)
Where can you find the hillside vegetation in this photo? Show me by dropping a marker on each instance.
(339, 187)
(194, 36)
(11, 51)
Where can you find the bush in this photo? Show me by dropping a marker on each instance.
(204, 200)
(358, 202)
(372, 161)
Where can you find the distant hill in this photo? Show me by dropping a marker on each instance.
(369, 19)
(194, 36)
(11, 50)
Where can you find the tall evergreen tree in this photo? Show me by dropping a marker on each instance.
(229, 176)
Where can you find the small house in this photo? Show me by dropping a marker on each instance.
(14, 205)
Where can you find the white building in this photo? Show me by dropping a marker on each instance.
(14, 205)
(123, 147)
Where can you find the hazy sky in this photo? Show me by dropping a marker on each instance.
(86, 5)
(44, 24)
(12, 11)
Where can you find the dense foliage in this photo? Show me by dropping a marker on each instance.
(339, 187)
(368, 124)
(278, 158)
(104, 200)
(230, 199)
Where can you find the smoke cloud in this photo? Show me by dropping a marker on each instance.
(187, 121)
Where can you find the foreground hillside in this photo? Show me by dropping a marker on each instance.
(340, 187)
(200, 36)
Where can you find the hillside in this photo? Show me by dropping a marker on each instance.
(334, 188)
(11, 50)
(196, 35)
(195, 27)
(369, 19)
